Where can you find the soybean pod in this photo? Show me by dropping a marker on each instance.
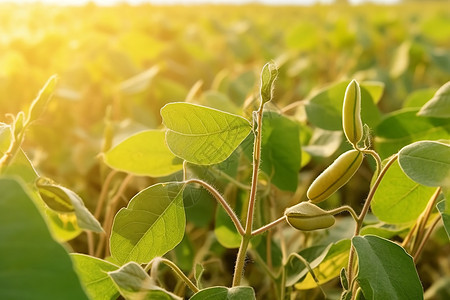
(351, 114)
(335, 176)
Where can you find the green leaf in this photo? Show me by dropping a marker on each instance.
(324, 109)
(374, 88)
(418, 98)
(324, 143)
(202, 135)
(39, 104)
(32, 264)
(296, 269)
(61, 199)
(404, 127)
(135, 284)
(20, 165)
(199, 269)
(386, 231)
(139, 82)
(93, 275)
(63, 226)
(444, 210)
(225, 231)
(426, 162)
(268, 75)
(386, 271)
(152, 224)
(280, 150)
(439, 105)
(184, 254)
(199, 205)
(144, 153)
(329, 268)
(398, 199)
(224, 293)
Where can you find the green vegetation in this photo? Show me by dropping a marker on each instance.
(162, 163)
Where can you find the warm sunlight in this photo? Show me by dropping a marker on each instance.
(224, 150)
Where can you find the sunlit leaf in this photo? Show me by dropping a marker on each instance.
(418, 98)
(144, 153)
(401, 59)
(152, 224)
(328, 268)
(63, 226)
(439, 105)
(225, 231)
(268, 75)
(280, 150)
(61, 199)
(426, 162)
(202, 135)
(20, 165)
(386, 271)
(224, 293)
(399, 199)
(39, 104)
(32, 264)
(444, 210)
(135, 284)
(324, 109)
(324, 142)
(384, 230)
(374, 88)
(139, 82)
(296, 269)
(93, 273)
(404, 127)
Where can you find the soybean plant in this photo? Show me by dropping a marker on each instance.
(127, 250)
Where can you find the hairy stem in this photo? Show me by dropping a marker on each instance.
(179, 273)
(425, 239)
(347, 209)
(239, 267)
(269, 226)
(423, 219)
(222, 202)
(366, 207)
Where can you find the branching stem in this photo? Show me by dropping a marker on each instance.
(239, 267)
(269, 226)
(222, 202)
(366, 207)
(174, 268)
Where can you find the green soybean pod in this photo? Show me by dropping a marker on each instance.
(307, 216)
(335, 176)
(351, 113)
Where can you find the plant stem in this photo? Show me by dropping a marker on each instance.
(231, 179)
(268, 226)
(104, 193)
(222, 202)
(423, 221)
(107, 222)
(345, 208)
(14, 147)
(366, 207)
(240, 260)
(179, 273)
(239, 267)
(425, 239)
(376, 157)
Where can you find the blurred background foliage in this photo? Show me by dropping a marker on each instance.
(119, 65)
(136, 59)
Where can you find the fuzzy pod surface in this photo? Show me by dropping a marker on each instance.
(335, 176)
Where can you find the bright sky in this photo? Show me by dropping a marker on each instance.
(112, 2)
